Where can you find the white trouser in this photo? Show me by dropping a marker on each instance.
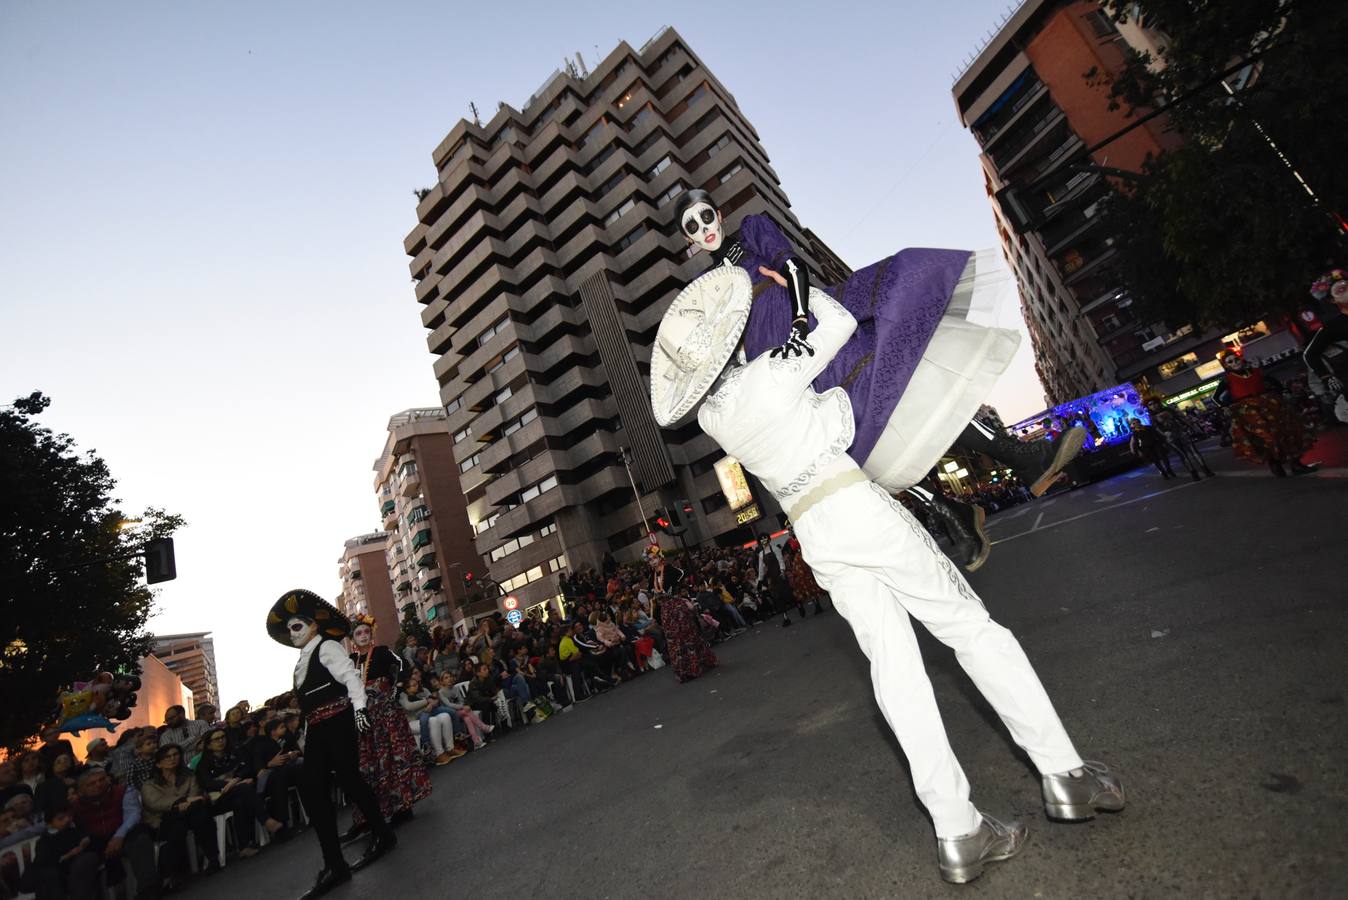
(442, 733)
(880, 566)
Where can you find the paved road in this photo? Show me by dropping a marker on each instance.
(1192, 636)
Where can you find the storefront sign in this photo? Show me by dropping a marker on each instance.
(734, 485)
(748, 514)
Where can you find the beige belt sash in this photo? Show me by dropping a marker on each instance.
(826, 488)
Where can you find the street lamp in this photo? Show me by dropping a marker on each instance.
(627, 464)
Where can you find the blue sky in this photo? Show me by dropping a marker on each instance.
(203, 212)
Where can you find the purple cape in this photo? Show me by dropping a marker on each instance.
(897, 302)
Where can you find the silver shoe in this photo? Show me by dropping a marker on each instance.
(962, 858)
(1069, 798)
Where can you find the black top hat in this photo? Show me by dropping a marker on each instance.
(307, 605)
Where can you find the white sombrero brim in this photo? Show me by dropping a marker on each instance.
(721, 297)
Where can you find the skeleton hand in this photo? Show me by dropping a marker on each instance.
(1333, 384)
(362, 721)
(798, 344)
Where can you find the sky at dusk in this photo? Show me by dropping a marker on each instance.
(204, 205)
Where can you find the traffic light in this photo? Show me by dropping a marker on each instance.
(662, 521)
(687, 507)
(468, 581)
(160, 564)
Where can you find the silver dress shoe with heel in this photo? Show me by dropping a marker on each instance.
(963, 858)
(1076, 798)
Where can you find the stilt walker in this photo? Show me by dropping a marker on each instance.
(915, 370)
(875, 560)
(332, 701)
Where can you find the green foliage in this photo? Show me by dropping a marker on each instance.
(63, 619)
(1220, 231)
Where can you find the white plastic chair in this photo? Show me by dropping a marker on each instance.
(23, 852)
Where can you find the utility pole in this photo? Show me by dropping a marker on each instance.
(627, 464)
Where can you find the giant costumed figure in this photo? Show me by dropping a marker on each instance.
(332, 700)
(875, 560)
(916, 370)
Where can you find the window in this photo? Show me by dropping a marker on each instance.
(630, 238)
(670, 193)
(698, 93)
(463, 434)
(491, 332)
(469, 463)
(542, 487)
(505, 358)
(731, 172)
(611, 183)
(721, 143)
(504, 394)
(705, 121)
(591, 133)
(550, 528)
(647, 143)
(642, 115)
(557, 563)
(599, 159)
(453, 406)
(625, 207)
(664, 163)
(528, 416)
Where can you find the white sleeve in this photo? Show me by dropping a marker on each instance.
(330, 654)
(834, 326)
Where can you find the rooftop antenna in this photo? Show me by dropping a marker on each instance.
(570, 68)
(583, 69)
(476, 120)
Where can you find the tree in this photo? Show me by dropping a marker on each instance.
(73, 604)
(1220, 230)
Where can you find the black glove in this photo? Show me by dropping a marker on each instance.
(798, 344)
(362, 721)
(1333, 384)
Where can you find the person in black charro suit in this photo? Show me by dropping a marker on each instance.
(331, 696)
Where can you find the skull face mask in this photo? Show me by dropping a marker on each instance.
(361, 636)
(300, 630)
(701, 225)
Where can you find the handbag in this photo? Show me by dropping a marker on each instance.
(656, 661)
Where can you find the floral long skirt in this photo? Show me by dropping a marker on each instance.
(388, 755)
(689, 652)
(803, 584)
(1266, 428)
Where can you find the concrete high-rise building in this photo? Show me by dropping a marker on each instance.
(192, 658)
(366, 586)
(1031, 108)
(544, 257)
(428, 542)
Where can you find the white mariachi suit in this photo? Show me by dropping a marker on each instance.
(879, 566)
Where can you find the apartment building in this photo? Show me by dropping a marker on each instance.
(428, 542)
(1027, 101)
(191, 657)
(544, 257)
(366, 586)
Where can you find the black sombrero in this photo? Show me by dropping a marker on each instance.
(306, 604)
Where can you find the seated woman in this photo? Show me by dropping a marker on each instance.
(57, 784)
(436, 728)
(174, 805)
(444, 690)
(612, 637)
(227, 781)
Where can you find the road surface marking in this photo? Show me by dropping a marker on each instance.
(1038, 519)
(1107, 498)
(1095, 511)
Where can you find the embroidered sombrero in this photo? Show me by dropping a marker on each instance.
(697, 336)
(308, 605)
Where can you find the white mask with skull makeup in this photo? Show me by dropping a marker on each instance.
(701, 225)
(301, 630)
(361, 636)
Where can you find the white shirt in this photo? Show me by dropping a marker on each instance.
(768, 416)
(337, 662)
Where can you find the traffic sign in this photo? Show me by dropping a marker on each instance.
(515, 617)
(511, 603)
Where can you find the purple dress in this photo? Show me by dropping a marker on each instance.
(897, 302)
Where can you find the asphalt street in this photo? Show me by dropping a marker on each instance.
(1191, 635)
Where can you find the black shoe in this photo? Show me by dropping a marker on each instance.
(326, 881)
(1038, 464)
(1276, 468)
(212, 867)
(380, 845)
(1208, 472)
(1195, 476)
(354, 832)
(964, 523)
(786, 621)
(401, 816)
(1300, 468)
(284, 834)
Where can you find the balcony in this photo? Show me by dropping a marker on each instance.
(419, 514)
(427, 560)
(408, 479)
(421, 539)
(1018, 149)
(390, 516)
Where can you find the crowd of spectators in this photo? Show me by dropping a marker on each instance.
(124, 813)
